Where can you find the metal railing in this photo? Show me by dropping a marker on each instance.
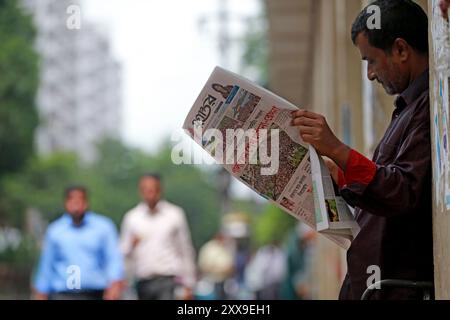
(424, 286)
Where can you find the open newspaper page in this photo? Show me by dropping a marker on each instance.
(247, 130)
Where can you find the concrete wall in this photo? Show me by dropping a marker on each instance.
(314, 64)
(441, 173)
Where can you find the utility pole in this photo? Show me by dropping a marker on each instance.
(223, 19)
(224, 33)
(224, 38)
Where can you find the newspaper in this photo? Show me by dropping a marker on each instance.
(247, 130)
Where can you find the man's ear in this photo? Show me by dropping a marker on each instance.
(401, 49)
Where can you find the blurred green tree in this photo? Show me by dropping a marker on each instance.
(272, 226)
(18, 85)
(255, 57)
(39, 185)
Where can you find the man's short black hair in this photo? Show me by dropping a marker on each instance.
(152, 175)
(73, 188)
(403, 19)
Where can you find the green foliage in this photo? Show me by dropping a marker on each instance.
(39, 185)
(250, 206)
(255, 59)
(24, 256)
(18, 85)
(272, 226)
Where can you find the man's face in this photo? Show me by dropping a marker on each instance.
(383, 67)
(76, 203)
(150, 190)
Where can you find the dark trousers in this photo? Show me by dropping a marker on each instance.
(270, 292)
(156, 288)
(77, 295)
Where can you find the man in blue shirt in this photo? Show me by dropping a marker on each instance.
(80, 258)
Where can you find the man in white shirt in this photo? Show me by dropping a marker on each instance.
(156, 238)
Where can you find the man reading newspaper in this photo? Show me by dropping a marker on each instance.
(247, 129)
(391, 192)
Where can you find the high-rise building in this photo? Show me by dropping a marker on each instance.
(79, 98)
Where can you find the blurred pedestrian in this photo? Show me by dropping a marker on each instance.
(242, 258)
(299, 253)
(216, 264)
(266, 271)
(80, 259)
(156, 239)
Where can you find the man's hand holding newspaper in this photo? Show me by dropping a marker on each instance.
(314, 130)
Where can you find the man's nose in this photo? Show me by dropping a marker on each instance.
(370, 74)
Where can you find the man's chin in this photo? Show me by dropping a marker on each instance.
(390, 91)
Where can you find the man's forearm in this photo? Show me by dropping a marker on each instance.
(340, 155)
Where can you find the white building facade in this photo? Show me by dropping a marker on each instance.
(79, 98)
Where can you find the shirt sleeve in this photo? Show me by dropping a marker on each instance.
(359, 170)
(187, 251)
(114, 259)
(126, 237)
(395, 188)
(42, 280)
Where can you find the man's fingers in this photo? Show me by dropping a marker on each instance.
(306, 130)
(444, 4)
(302, 121)
(305, 113)
(308, 138)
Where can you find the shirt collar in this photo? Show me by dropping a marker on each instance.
(86, 219)
(414, 90)
(157, 209)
